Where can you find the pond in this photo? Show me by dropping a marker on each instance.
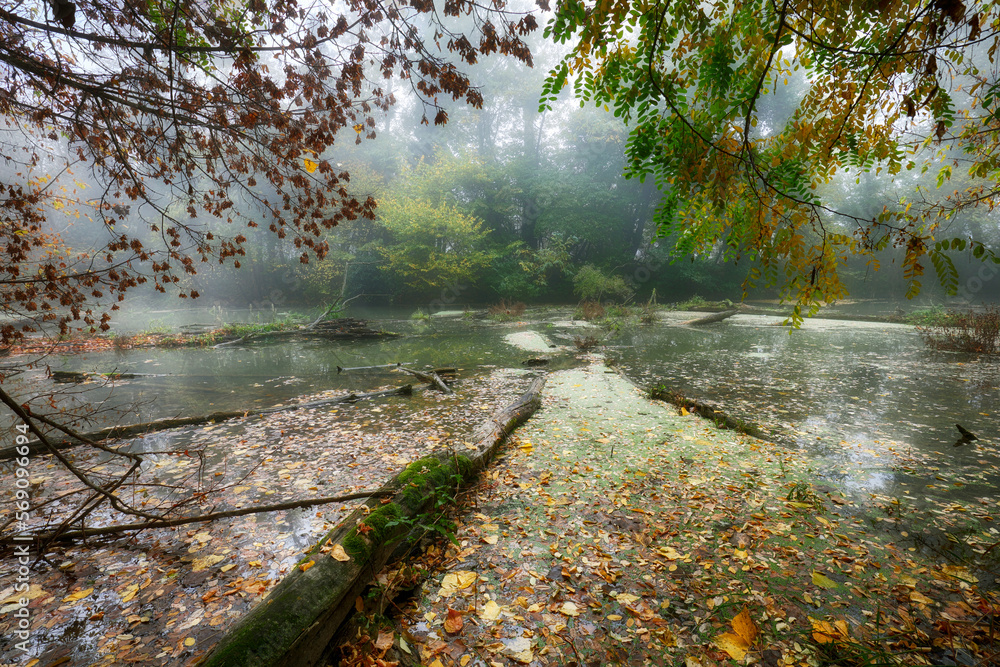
(849, 394)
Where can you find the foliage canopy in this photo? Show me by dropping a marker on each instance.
(745, 111)
(116, 113)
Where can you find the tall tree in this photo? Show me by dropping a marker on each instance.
(163, 101)
(893, 86)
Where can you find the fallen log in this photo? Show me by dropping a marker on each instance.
(292, 626)
(36, 447)
(431, 378)
(709, 319)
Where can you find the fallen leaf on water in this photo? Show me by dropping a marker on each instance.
(129, 593)
(456, 581)
(454, 622)
(34, 591)
(384, 641)
(823, 581)
(79, 595)
(199, 564)
(491, 611)
(570, 608)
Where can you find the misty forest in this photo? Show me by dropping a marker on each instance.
(369, 333)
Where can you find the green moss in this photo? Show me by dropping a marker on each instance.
(356, 547)
(359, 546)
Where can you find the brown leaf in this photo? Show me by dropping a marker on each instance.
(454, 622)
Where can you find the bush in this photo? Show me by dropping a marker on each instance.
(506, 310)
(592, 284)
(590, 311)
(587, 343)
(966, 332)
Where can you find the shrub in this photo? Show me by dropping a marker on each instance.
(966, 332)
(587, 343)
(592, 284)
(506, 310)
(590, 310)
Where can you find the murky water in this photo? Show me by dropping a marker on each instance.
(843, 392)
(194, 381)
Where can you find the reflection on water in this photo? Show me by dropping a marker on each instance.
(845, 392)
(194, 381)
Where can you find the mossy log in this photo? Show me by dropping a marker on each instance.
(292, 626)
(35, 447)
(709, 319)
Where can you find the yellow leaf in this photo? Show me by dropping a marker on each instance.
(189, 641)
(306, 566)
(917, 596)
(466, 659)
(129, 593)
(732, 644)
(684, 411)
(491, 538)
(436, 663)
(339, 553)
(570, 608)
(829, 633)
(823, 581)
(79, 595)
(34, 591)
(744, 626)
(310, 165)
(199, 564)
(227, 567)
(456, 581)
(491, 611)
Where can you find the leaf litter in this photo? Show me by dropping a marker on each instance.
(165, 596)
(629, 534)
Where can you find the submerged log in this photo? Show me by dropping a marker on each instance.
(345, 328)
(292, 626)
(36, 447)
(709, 319)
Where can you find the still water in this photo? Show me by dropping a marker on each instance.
(846, 393)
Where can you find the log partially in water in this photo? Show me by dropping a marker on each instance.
(36, 447)
(292, 626)
(709, 319)
(431, 378)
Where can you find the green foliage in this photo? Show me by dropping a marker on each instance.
(746, 112)
(591, 283)
(432, 246)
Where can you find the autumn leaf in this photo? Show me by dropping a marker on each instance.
(310, 165)
(454, 622)
(79, 595)
(384, 641)
(823, 581)
(339, 553)
(829, 633)
(456, 581)
(199, 564)
(305, 566)
(744, 635)
(491, 611)
(570, 609)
